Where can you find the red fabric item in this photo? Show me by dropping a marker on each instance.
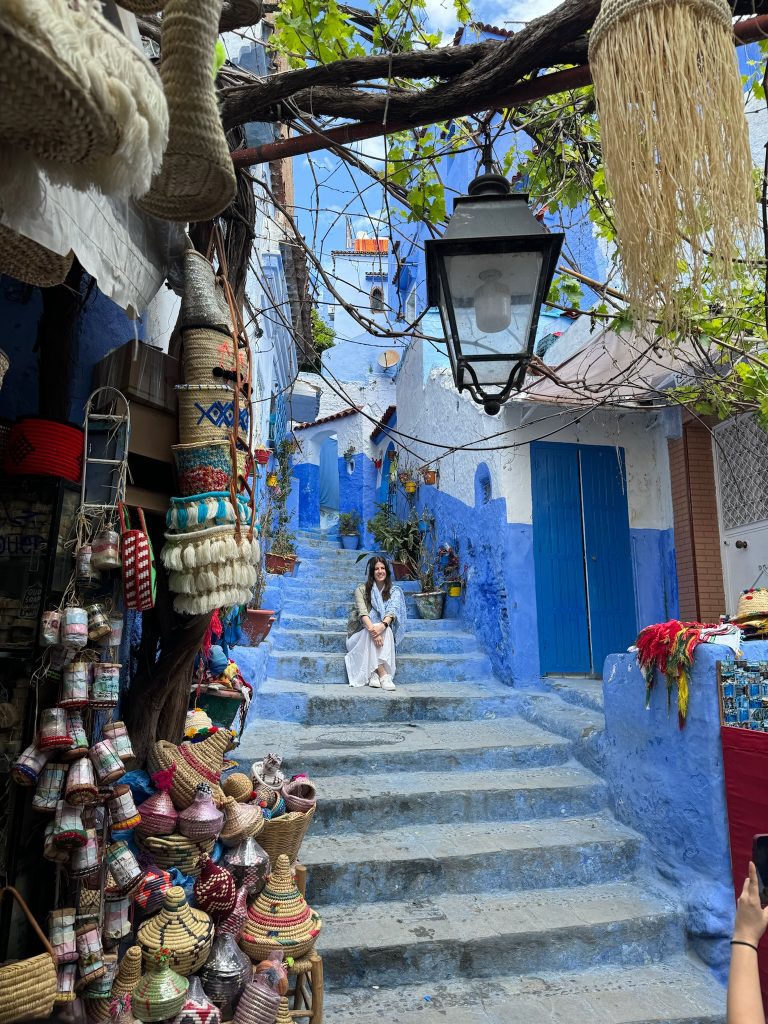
(745, 767)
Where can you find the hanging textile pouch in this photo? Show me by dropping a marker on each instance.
(139, 575)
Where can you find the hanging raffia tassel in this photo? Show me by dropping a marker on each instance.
(675, 144)
(202, 604)
(210, 548)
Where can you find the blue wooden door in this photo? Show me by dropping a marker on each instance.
(608, 552)
(558, 552)
(582, 555)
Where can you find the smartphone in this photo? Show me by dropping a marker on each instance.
(760, 860)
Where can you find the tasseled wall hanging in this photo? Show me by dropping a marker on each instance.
(675, 144)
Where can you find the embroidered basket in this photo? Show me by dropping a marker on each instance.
(215, 890)
(139, 579)
(280, 918)
(207, 467)
(186, 933)
(207, 413)
(285, 834)
(753, 604)
(27, 987)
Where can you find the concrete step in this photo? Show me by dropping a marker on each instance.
(316, 666)
(332, 608)
(331, 704)
(358, 802)
(587, 693)
(327, 640)
(679, 991)
(332, 589)
(484, 934)
(295, 620)
(583, 726)
(322, 750)
(425, 861)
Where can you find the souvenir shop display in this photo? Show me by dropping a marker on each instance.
(198, 1008)
(107, 765)
(175, 851)
(194, 763)
(743, 694)
(106, 550)
(75, 684)
(158, 814)
(225, 973)
(117, 734)
(249, 865)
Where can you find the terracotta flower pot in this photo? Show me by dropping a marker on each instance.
(402, 571)
(280, 564)
(258, 622)
(430, 476)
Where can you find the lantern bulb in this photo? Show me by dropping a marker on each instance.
(493, 304)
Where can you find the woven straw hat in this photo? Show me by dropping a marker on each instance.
(240, 822)
(177, 927)
(753, 604)
(195, 763)
(280, 918)
(197, 179)
(128, 972)
(238, 786)
(80, 97)
(30, 262)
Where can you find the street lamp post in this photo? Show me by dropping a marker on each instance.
(488, 275)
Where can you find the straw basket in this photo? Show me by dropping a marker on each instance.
(285, 834)
(207, 349)
(197, 179)
(753, 604)
(207, 413)
(202, 820)
(195, 763)
(215, 890)
(300, 794)
(206, 467)
(27, 987)
(239, 787)
(280, 918)
(175, 852)
(161, 992)
(186, 933)
(240, 822)
(128, 972)
(143, 6)
(30, 262)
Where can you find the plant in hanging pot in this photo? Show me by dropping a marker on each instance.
(431, 598)
(429, 476)
(349, 530)
(281, 557)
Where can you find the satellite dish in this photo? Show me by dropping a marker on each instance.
(389, 359)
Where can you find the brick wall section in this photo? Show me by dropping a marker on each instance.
(697, 534)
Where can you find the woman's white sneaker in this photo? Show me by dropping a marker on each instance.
(375, 680)
(387, 683)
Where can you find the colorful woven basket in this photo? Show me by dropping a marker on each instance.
(195, 763)
(197, 1008)
(207, 467)
(27, 987)
(753, 604)
(285, 834)
(215, 890)
(240, 822)
(160, 994)
(207, 413)
(280, 918)
(249, 865)
(39, 447)
(202, 820)
(175, 852)
(300, 794)
(205, 350)
(158, 815)
(203, 510)
(186, 934)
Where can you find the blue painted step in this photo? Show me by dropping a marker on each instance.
(296, 620)
(464, 858)
(330, 704)
(411, 668)
(334, 641)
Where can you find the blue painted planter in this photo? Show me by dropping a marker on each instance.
(350, 543)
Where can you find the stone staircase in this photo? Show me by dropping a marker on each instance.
(464, 861)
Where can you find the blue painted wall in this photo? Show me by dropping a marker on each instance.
(102, 326)
(655, 571)
(668, 784)
(307, 488)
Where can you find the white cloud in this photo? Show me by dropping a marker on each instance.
(509, 15)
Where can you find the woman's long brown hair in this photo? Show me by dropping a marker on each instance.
(370, 582)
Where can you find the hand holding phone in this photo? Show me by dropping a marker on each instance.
(760, 860)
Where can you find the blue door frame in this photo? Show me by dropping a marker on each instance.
(582, 556)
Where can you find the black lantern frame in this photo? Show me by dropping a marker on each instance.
(548, 244)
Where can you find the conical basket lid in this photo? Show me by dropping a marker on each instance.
(284, 1013)
(280, 913)
(176, 926)
(128, 972)
(240, 821)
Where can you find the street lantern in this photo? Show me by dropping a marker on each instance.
(488, 275)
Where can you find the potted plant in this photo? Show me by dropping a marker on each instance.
(349, 530)
(281, 557)
(429, 475)
(431, 598)
(398, 538)
(258, 621)
(406, 474)
(349, 457)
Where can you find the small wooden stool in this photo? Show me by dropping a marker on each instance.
(305, 992)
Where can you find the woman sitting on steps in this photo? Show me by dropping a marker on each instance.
(377, 621)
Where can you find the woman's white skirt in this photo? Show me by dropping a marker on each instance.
(363, 657)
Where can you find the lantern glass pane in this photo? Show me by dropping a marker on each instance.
(492, 295)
